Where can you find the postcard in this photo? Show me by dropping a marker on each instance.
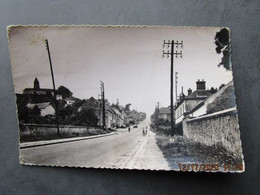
(126, 97)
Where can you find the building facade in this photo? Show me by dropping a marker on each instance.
(165, 113)
(190, 101)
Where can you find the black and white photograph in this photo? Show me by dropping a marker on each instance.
(126, 97)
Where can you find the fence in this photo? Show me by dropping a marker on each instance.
(217, 129)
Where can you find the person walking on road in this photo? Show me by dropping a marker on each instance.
(143, 131)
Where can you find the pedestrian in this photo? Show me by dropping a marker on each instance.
(129, 129)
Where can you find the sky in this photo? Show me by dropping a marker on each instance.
(127, 59)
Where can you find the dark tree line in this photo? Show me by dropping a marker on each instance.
(68, 114)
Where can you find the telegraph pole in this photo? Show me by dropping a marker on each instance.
(54, 90)
(171, 44)
(176, 84)
(103, 105)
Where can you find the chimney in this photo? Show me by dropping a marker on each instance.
(189, 91)
(201, 85)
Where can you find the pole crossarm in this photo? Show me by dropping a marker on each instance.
(170, 42)
(168, 53)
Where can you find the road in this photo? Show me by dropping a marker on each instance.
(125, 150)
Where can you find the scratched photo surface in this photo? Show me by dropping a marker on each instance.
(128, 97)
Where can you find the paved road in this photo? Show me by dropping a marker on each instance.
(123, 150)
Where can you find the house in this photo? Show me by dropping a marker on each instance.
(46, 108)
(202, 108)
(141, 116)
(119, 115)
(165, 113)
(132, 117)
(90, 103)
(58, 97)
(188, 102)
(113, 116)
(70, 101)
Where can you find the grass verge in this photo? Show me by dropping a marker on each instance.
(181, 146)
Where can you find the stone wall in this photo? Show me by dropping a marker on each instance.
(42, 131)
(217, 129)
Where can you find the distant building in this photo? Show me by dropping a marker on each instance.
(226, 103)
(90, 103)
(70, 101)
(46, 108)
(141, 116)
(188, 102)
(59, 97)
(37, 90)
(165, 113)
(119, 117)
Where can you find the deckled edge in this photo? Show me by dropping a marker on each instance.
(235, 98)
(9, 29)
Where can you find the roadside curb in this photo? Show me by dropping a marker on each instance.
(51, 142)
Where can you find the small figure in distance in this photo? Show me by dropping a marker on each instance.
(143, 131)
(129, 129)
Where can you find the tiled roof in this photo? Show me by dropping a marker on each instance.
(198, 94)
(32, 89)
(71, 98)
(165, 110)
(91, 103)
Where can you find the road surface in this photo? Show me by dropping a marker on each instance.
(129, 150)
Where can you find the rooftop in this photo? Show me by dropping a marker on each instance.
(39, 105)
(165, 110)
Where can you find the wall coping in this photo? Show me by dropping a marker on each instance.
(50, 125)
(234, 109)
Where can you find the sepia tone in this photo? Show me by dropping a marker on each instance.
(106, 97)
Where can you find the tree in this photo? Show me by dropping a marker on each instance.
(213, 90)
(86, 118)
(223, 44)
(127, 107)
(222, 85)
(36, 112)
(65, 92)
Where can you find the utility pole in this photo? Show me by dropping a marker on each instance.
(176, 84)
(54, 90)
(156, 113)
(103, 105)
(171, 44)
(182, 95)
